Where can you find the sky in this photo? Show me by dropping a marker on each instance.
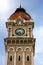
(35, 9)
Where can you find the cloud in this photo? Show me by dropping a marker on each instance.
(7, 7)
(2, 60)
(3, 6)
(38, 59)
(38, 33)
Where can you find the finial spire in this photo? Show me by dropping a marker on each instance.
(20, 5)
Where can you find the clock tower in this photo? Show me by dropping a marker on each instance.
(20, 42)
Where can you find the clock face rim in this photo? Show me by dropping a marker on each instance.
(19, 33)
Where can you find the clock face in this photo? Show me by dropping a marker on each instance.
(19, 31)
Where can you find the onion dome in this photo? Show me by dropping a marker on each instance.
(20, 12)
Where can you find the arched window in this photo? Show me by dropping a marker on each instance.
(19, 58)
(30, 32)
(27, 58)
(10, 58)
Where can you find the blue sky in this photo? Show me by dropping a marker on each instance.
(35, 9)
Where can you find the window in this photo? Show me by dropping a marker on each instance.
(21, 41)
(17, 41)
(8, 41)
(27, 58)
(30, 32)
(25, 41)
(13, 41)
(19, 58)
(10, 58)
(9, 32)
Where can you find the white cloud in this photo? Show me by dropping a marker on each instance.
(7, 7)
(38, 33)
(3, 6)
(2, 60)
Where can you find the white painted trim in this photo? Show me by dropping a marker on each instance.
(10, 20)
(27, 48)
(19, 48)
(11, 48)
(14, 21)
(24, 21)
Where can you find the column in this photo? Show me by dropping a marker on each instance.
(15, 58)
(32, 59)
(6, 58)
(23, 58)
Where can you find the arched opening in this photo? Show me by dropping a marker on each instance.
(10, 58)
(19, 58)
(27, 58)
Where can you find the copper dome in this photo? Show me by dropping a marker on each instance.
(20, 12)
